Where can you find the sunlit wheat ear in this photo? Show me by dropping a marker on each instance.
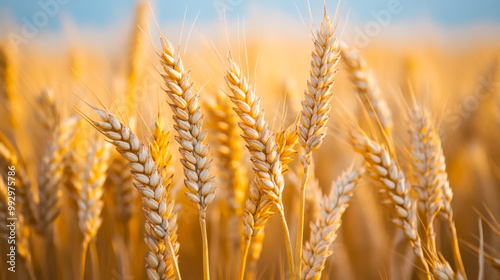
(425, 149)
(265, 195)
(161, 221)
(89, 199)
(323, 230)
(190, 136)
(51, 172)
(188, 124)
(395, 191)
(367, 88)
(315, 112)
(159, 147)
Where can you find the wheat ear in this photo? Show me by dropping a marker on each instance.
(191, 137)
(315, 112)
(266, 191)
(161, 221)
(89, 199)
(367, 88)
(395, 191)
(425, 147)
(51, 173)
(233, 174)
(324, 229)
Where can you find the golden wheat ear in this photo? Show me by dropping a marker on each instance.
(161, 221)
(315, 112)
(323, 230)
(191, 137)
(366, 87)
(266, 190)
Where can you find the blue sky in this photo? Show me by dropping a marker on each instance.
(98, 13)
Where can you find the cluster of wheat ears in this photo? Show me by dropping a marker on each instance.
(418, 196)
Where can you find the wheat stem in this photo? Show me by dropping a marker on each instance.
(243, 258)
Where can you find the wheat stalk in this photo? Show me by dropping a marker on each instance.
(191, 137)
(395, 191)
(89, 198)
(323, 230)
(425, 146)
(315, 112)
(161, 222)
(266, 191)
(367, 88)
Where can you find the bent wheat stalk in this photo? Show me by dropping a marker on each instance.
(266, 191)
(161, 221)
(323, 231)
(315, 112)
(191, 137)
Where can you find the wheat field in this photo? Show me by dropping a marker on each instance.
(244, 156)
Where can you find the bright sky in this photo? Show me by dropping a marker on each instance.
(98, 13)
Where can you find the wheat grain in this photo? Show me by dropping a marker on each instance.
(367, 88)
(315, 112)
(161, 222)
(323, 230)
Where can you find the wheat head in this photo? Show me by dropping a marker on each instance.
(367, 88)
(161, 221)
(323, 230)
